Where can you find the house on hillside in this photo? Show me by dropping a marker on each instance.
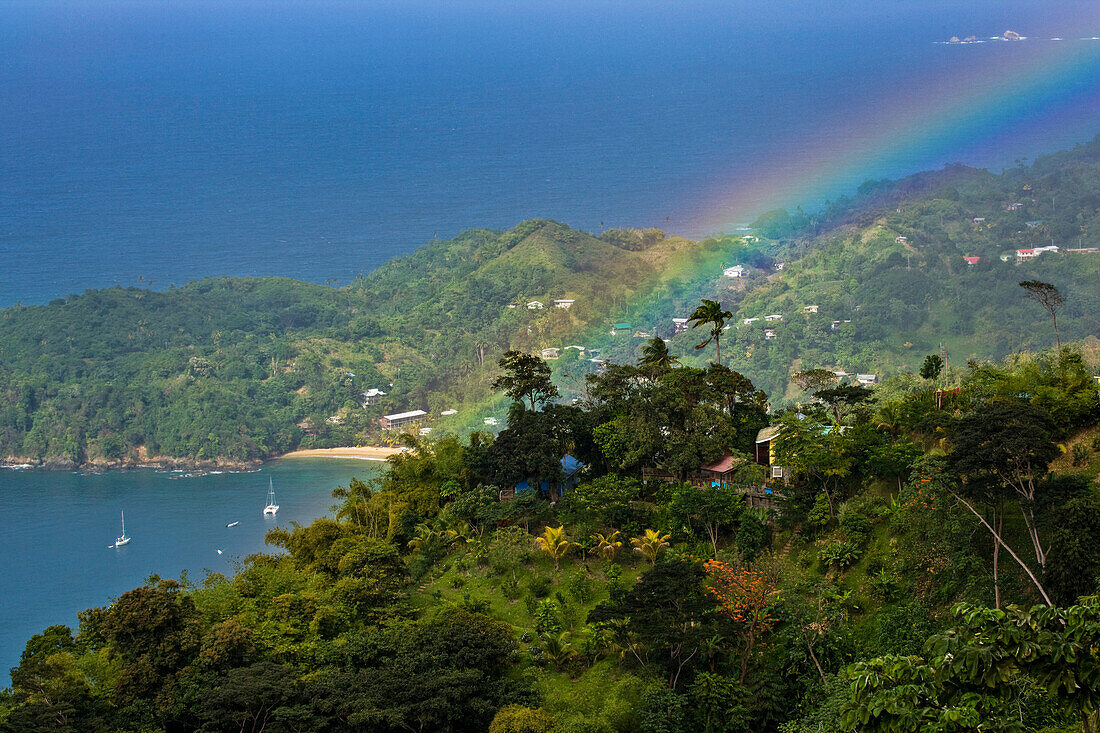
(810, 309)
(448, 413)
(371, 397)
(750, 321)
(866, 379)
(570, 472)
(1034, 224)
(735, 271)
(773, 317)
(764, 453)
(535, 305)
(401, 419)
(618, 328)
(971, 260)
(551, 353)
(680, 325)
(769, 334)
(722, 475)
(778, 266)
(979, 219)
(901, 240)
(1026, 254)
(564, 303)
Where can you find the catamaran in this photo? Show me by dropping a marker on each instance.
(123, 540)
(271, 507)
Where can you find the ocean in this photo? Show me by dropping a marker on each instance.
(58, 528)
(147, 144)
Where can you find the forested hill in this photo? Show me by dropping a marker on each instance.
(887, 274)
(240, 369)
(237, 369)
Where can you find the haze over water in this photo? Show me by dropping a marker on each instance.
(169, 141)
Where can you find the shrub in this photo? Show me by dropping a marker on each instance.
(581, 588)
(548, 617)
(855, 526)
(840, 554)
(539, 586)
(519, 719)
(1081, 455)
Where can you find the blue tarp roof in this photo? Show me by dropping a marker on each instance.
(569, 466)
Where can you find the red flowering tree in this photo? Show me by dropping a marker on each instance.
(745, 596)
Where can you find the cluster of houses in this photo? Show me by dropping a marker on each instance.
(536, 305)
(554, 352)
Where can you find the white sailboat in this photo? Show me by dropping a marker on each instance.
(123, 540)
(271, 507)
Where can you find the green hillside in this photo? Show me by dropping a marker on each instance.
(887, 274)
(237, 369)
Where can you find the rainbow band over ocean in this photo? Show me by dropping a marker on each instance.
(992, 93)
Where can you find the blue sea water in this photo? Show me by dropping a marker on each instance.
(156, 142)
(58, 526)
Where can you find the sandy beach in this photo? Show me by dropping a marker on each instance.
(366, 453)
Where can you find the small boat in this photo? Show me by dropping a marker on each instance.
(271, 507)
(123, 540)
(232, 524)
(219, 552)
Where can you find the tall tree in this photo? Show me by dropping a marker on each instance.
(710, 313)
(1008, 444)
(526, 377)
(1050, 298)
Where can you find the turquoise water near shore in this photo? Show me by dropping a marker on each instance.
(57, 527)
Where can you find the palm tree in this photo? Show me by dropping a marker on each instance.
(608, 546)
(556, 649)
(555, 544)
(655, 356)
(650, 544)
(711, 313)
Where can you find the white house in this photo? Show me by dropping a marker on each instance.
(773, 317)
(551, 353)
(680, 324)
(901, 240)
(534, 305)
(448, 413)
(748, 321)
(372, 397)
(735, 271)
(769, 334)
(779, 265)
(490, 421)
(866, 379)
(564, 303)
(389, 422)
(810, 309)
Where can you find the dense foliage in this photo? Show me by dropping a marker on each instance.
(928, 564)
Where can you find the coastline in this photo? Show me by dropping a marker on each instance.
(362, 453)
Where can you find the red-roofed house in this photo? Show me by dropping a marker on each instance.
(972, 260)
(1026, 254)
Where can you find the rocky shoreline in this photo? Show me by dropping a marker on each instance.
(194, 466)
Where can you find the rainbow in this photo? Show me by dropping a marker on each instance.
(1014, 90)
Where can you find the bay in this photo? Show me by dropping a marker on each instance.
(58, 526)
